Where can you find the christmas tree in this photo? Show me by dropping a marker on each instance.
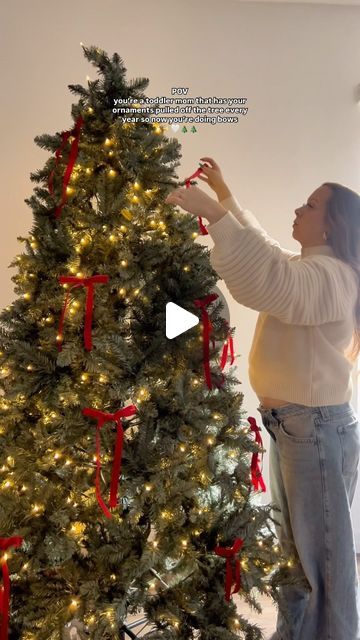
(125, 477)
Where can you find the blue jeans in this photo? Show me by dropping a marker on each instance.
(314, 457)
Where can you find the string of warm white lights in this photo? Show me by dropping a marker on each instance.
(82, 241)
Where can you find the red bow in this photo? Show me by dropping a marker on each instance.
(256, 477)
(72, 157)
(202, 227)
(116, 470)
(78, 282)
(229, 343)
(228, 553)
(207, 327)
(5, 543)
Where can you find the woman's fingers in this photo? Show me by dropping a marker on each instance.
(212, 162)
(176, 196)
(203, 178)
(171, 199)
(206, 171)
(178, 191)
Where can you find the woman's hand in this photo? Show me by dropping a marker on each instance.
(214, 179)
(195, 201)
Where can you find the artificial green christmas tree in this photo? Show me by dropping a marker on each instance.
(125, 476)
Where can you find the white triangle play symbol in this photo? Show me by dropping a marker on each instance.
(178, 320)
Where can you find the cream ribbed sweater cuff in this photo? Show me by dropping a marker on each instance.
(223, 230)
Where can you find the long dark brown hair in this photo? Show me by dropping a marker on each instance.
(343, 223)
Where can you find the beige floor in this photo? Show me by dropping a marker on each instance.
(266, 621)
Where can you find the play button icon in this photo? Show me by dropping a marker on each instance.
(178, 320)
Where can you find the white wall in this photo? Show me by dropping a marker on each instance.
(297, 64)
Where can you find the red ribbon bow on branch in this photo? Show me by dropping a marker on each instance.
(65, 135)
(102, 417)
(6, 543)
(229, 553)
(79, 282)
(201, 303)
(256, 476)
(202, 227)
(228, 344)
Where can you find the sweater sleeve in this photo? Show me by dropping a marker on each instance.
(246, 218)
(311, 291)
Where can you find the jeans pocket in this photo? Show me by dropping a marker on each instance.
(298, 428)
(349, 436)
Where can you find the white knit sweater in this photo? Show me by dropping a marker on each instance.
(307, 310)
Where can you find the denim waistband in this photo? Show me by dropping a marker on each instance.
(327, 412)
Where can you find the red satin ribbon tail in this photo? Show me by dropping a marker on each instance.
(82, 282)
(228, 344)
(203, 229)
(256, 476)
(224, 355)
(5, 603)
(207, 326)
(70, 165)
(262, 484)
(97, 480)
(101, 502)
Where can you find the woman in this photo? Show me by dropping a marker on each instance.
(300, 368)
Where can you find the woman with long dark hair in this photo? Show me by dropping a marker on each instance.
(303, 352)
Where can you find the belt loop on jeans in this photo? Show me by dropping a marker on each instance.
(324, 412)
